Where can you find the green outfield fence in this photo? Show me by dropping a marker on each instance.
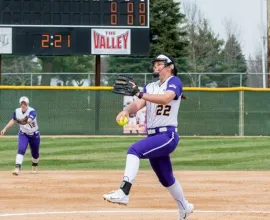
(92, 110)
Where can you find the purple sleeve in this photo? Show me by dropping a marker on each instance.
(32, 115)
(175, 85)
(14, 116)
(144, 89)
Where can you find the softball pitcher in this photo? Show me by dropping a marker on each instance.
(26, 117)
(162, 100)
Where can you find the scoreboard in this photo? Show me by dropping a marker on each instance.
(70, 27)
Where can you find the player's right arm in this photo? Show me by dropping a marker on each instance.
(132, 108)
(9, 124)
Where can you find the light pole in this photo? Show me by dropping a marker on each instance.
(268, 40)
(263, 43)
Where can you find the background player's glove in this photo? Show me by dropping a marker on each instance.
(125, 85)
(22, 121)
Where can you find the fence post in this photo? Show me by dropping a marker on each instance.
(241, 113)
(145, 78)
(241, 79)
(88, 92)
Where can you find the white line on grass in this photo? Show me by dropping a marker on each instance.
(128, 211)
(136, 136)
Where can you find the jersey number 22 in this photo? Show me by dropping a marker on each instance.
(163, 110)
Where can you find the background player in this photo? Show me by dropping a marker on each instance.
(28, 134)
(162, 100)
(131, 127)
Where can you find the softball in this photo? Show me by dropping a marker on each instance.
(123, 121)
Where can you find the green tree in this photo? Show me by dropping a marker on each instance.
(168, 30)
(233, 58)
(204, 48)
(72, 64)
(206, 53)
(17, 65)
(117, 64)
(66, 64)
(168, 35)
(233, 61)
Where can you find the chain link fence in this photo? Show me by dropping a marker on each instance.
(93, 112)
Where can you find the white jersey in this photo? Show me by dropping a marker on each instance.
(30, 113)
(163, 115)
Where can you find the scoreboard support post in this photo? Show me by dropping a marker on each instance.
(98, 70)
(0, 69)
(98, 93)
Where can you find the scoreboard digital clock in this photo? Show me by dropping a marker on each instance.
(66, 27)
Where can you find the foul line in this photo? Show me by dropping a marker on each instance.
(137, 136)
(129, 211)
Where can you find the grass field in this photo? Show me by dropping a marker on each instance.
(109, 153)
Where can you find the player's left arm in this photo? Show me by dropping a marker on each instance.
(174, 91)
(32, 115)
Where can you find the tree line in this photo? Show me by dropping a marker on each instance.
(177, 29)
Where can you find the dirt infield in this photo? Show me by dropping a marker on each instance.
(78, 195)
